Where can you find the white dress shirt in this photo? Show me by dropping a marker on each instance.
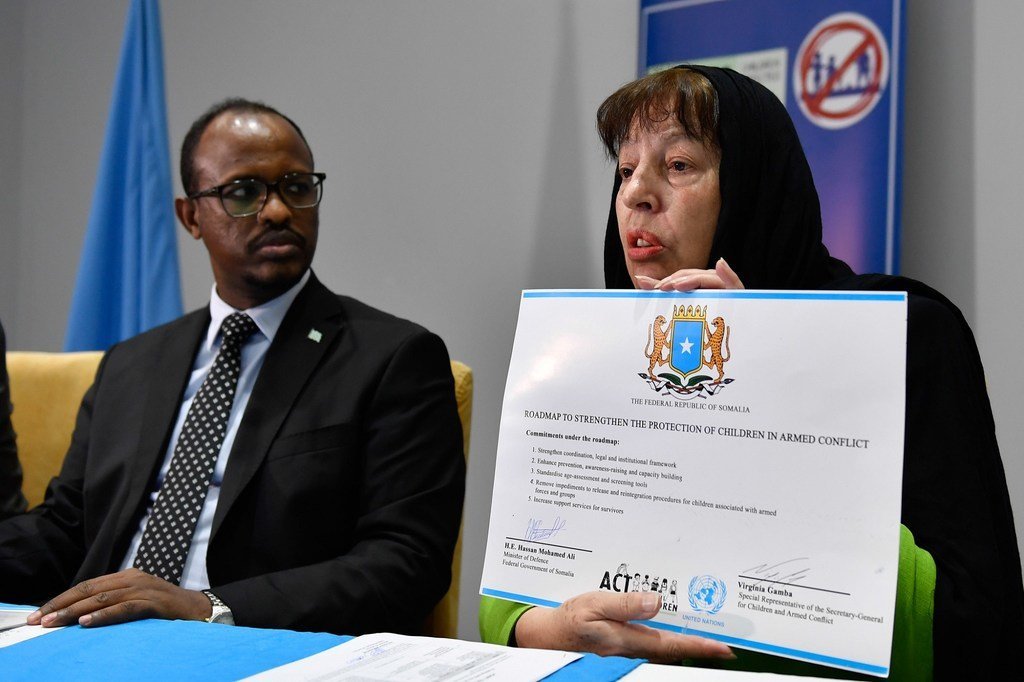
(268, 318)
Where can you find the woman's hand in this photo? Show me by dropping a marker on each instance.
(598, 622)
(722, 277)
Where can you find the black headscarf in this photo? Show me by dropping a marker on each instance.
(769, 228)
(955, 499)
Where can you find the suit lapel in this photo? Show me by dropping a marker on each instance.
(290, 361)
(169, 373)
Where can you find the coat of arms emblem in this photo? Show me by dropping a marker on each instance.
(687, 343)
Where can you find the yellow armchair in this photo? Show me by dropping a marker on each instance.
(444, 619)
(46, 389)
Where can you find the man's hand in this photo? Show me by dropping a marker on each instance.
(722, 277)
(598, 622)
(119, 598)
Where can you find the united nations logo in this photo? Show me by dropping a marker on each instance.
(707, 594)
(687, 345)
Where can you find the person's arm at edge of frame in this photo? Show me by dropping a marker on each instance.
(40, 551)
(12, 501)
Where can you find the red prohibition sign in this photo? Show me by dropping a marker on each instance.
(868, 47)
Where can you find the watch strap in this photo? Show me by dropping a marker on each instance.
(220, 612)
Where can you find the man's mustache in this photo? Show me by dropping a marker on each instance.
(277, 237)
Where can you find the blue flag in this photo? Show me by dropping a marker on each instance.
(128, 274)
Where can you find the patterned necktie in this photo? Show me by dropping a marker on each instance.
(168, 534)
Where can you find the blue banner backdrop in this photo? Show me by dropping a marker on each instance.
(838, 67)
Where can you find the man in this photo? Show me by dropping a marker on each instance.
(336, 477)
(11, 500)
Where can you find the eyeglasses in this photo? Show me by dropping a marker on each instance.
(248, 196)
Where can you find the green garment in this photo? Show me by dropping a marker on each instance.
(911, 641)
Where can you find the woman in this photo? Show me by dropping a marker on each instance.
(713, 191)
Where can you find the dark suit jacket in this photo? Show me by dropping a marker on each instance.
(11, 500)
(342, 497)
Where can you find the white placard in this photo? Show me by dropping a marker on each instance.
(739, 452)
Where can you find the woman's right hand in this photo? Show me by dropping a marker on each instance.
(722, 277)
(598, 622)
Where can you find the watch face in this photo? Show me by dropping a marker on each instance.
(222, 614)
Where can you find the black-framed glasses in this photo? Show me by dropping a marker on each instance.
(247, 197)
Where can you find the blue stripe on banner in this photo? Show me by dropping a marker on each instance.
(704, 293)
(751, 644)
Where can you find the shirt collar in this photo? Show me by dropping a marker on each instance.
(267, 316)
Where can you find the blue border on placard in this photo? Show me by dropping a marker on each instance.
(519, 597)
(759, 646)
(704, 293)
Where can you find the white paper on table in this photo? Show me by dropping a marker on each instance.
(765, 507)
(10, 618)
(14, 630)
(386, 656)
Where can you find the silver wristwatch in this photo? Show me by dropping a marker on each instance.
(220, 613)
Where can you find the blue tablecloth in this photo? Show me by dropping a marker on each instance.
(158, 649)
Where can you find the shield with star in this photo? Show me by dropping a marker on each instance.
(687, 345)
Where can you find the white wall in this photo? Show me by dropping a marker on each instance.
(463, 166)
(962, 194)
(66, 63)
(11, 79)
(999, 225)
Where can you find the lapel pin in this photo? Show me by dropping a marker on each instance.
(314, 335)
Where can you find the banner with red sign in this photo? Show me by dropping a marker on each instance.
(837, 66)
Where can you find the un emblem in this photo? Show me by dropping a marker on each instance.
(707, 594)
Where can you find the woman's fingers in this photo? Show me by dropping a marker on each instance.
(728, 276)
(690, 279)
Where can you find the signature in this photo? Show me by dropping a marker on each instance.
(788, 571)
(536, 531)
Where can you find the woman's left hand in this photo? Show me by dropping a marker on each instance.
(722, 277)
